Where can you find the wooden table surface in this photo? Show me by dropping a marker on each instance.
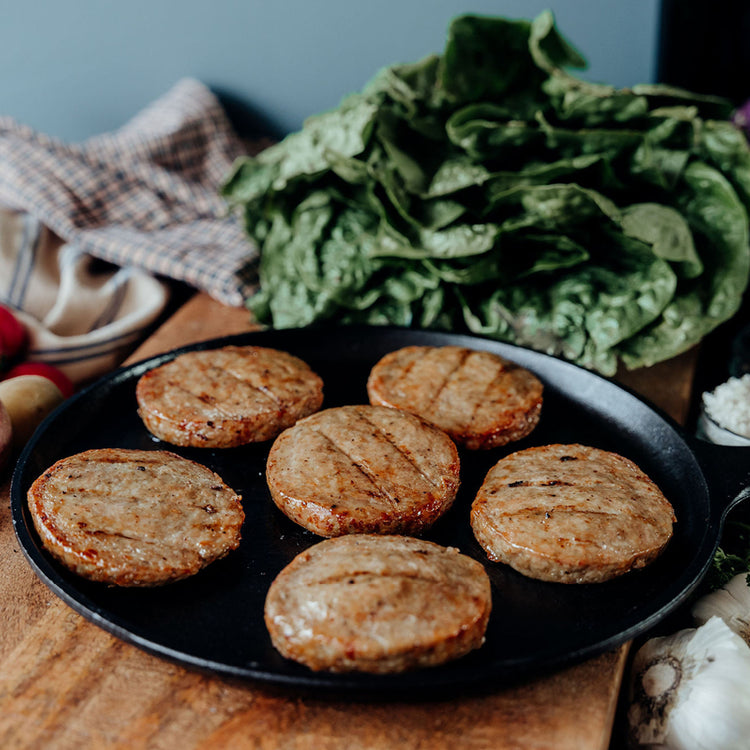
(65, 683)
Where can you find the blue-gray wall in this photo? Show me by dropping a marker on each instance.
(75, 68)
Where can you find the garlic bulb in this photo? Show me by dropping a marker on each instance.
(691, 691)
(731, 603)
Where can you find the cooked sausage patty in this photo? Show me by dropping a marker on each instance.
(226, 397)
(570, 513)
(365, 469)
(134, 517)
(378, 604)
(480, 399)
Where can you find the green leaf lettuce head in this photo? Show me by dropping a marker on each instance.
(489, 189)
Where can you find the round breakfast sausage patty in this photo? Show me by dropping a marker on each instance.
(134, 517)
(570, 513)
(366, 469)
(480, 399)
(378, 604)
(220, 398)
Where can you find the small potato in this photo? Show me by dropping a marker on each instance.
(6, 436)
(28, 399)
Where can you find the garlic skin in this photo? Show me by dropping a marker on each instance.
(731, 603)
(691, 691)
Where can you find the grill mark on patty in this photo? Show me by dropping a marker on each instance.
(542, 549)
(240, 379)
(203, 398)
(541, 483)
(620, 509)
(595, 541)
(450, 376)
(109, 496)
(590, 484)
(115, 535)
(401, 451)
(380, 491)
(264, 389)
(501, 368)
(359, 575)
(287, 367)
(213, 402)
(159, 544)
(107, 458)
(534, 510)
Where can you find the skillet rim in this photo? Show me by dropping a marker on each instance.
(317, 681)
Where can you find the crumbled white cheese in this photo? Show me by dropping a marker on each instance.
(729, 405)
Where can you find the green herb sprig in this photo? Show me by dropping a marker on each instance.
(732, 557)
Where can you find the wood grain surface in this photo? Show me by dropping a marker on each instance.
(65, 683)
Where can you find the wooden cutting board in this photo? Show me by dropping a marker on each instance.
(65, 683)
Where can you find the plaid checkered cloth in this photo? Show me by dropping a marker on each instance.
(145, 200)
(145, 195)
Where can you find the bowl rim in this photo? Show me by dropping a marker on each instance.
(708, 417)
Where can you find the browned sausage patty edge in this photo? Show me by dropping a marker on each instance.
(130, 517)
(378, 604)
(571, 514)
(222, 398)
(480, 399)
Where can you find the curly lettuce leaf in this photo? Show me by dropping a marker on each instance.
(720, 227)
(488, 188)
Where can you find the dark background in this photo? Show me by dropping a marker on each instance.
(704, 46)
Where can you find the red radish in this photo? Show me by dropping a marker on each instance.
(13, 336)
(58, 377)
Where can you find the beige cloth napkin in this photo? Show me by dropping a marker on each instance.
(83, 315)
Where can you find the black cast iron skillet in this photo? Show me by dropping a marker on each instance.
(214, 621)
